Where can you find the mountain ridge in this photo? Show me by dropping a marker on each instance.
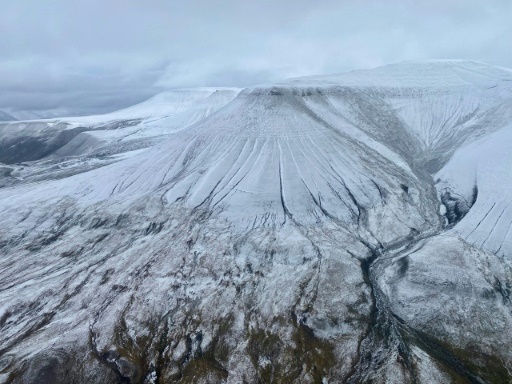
(299, 231)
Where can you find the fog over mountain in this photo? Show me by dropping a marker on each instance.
(94, 56)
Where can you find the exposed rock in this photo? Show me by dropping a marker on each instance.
(294, 235)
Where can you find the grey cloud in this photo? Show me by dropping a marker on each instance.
(97, 56)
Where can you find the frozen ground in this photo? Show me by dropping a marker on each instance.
(349, 228)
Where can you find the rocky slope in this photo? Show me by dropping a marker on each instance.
(322, 229)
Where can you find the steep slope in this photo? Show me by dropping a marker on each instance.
(475, 187)
(293, 235)
(443, 103)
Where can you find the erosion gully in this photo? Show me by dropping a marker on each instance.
(389, 337)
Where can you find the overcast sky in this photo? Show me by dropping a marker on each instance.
(92, 56)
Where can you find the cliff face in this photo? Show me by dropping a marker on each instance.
(317, 230)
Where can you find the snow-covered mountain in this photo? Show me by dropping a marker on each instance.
(83, 143)
(347, 228)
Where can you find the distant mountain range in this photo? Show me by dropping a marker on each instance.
(9, 114)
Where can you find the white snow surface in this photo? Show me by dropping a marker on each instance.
(257, 221)
(168, 103)
(440, 74)
(486, 165)
(162, 114)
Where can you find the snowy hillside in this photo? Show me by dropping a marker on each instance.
(323, 229)
(477, 183)
(72, 145)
